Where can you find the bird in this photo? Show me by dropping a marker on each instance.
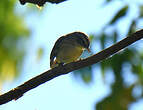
(68, 48)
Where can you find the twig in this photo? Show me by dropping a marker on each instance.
(61, 70)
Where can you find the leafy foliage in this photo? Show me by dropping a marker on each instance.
(122, 95)
(12, 38)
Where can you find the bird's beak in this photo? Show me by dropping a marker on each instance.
(88, 50)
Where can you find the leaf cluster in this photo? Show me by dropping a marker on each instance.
(128, 61)
(13, 35)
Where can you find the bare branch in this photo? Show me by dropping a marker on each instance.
(61, 70)
(40, 2)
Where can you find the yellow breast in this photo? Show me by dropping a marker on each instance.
(69, 53)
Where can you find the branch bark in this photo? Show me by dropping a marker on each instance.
(62, 70)
(40, 2)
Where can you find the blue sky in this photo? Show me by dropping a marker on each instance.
(64, 92)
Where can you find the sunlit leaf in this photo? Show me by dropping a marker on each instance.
(8, 70)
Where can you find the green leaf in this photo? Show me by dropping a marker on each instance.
(103, 40)
(115, 35)
(40, 52)
(141, 11)
(122, 12)
(85, 74)
(91, 38)
(132, 27)
(108, 1)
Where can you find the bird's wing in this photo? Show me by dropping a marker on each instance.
(55, 49)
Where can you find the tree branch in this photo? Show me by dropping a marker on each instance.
(40, 2)
(61, 70)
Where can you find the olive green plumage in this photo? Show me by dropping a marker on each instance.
(68, 48)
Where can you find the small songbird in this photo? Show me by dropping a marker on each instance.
(68, 48)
